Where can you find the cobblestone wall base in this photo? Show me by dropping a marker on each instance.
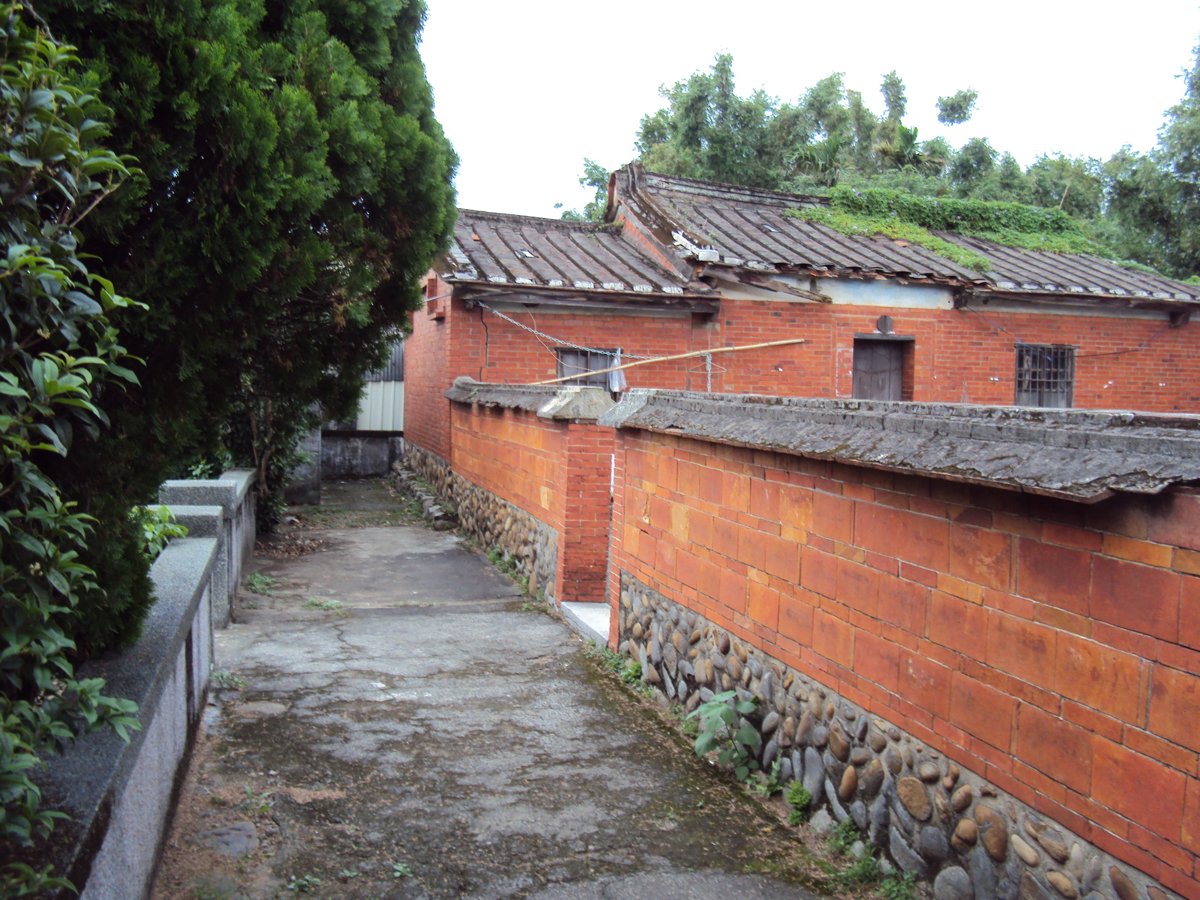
(528, 543)
(929, 816)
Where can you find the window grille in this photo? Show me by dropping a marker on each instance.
(1045, 375)
(573, 362)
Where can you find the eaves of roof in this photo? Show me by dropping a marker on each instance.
(551, 257)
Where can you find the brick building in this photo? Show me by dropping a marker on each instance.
(516, 298)
(687, 265)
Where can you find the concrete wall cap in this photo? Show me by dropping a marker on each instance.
(578, 404)
(84, 780)
(200, 521)
(243, 478)
(549, 401)
(1075, 454)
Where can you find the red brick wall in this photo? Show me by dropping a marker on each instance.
(558, 472)
(510, 355)
(428, 373)
(514, 455)
(957, 356)
(1052, 648)
(587, 514)
(962, 356)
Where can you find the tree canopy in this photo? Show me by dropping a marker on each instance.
(1144, 208)
(295, 186)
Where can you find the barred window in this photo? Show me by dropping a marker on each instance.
(573, 362)
(1045, 375)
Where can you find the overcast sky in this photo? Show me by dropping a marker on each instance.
(525, 89)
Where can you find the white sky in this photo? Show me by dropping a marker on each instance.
(525, 89)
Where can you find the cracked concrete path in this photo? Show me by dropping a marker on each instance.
(393, 720)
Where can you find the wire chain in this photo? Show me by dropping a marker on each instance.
(557, 340)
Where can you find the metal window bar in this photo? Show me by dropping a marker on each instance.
(1045, 375)
(572, 362)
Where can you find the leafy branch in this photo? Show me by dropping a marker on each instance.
(60, 351)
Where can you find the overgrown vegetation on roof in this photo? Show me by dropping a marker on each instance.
(1135, 206)
(908, 217)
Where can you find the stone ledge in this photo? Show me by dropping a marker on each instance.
(200, 521)
(94, 780)
(589, 620)
(228, 491)
(1080, 455)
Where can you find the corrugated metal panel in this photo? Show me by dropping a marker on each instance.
(382, 407)
(393, 370)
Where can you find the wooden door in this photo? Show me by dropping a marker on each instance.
(878, 370)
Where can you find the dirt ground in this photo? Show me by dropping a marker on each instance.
(389, 717)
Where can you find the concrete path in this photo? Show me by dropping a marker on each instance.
(393, 720)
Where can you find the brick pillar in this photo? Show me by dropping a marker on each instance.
(586, 513)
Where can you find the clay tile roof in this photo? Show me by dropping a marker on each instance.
(749, 228)
(523, 251)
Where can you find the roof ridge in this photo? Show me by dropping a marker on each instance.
(565, 224)
(717, 187)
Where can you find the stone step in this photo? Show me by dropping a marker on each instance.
(589, 619)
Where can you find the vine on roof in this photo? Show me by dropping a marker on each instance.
(912, 218)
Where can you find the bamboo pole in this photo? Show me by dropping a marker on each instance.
(689, 355)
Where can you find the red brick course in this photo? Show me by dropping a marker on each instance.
(957, 356)
(1047, 646)
(558, 472)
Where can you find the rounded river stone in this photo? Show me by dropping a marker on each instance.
(839, 743)
(871, 779)
(962, 798)
(953, 883)
(1031, 889)
(966, 833)
(1122, 884)
(848, 785)
(915, 798)
(1028, 855)
(814, 775)
(733, 666)
(1053, 843)
(932, 844)
(1063, 884)
(893, 760)
(993, 832)
(788, 734)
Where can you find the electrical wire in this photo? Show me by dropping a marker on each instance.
(543, 336)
